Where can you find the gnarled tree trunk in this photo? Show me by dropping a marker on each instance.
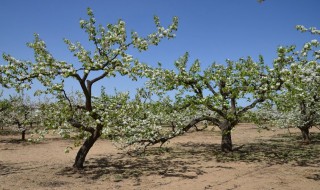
(83, 151)
(305, 134)
(307, 122)
(226, 141)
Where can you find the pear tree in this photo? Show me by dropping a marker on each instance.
(214, 93)
(108, 58)
(298, 102)
(20, 114)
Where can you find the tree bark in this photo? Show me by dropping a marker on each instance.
(226, 141)
(23, 135)
(305, 127)
(83, 151)
(305, 134)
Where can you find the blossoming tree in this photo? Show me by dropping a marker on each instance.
(4, 105)
(298, 103)
(108, 58)
(19, 115)
(216, 91)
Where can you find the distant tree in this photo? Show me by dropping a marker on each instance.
(19, 114)
(109, 58)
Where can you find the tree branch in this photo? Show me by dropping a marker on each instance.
(233, 106)
(210, 88)
(163, 139)
(197, 120)
(212, 108)
(68, 99)
(252, 105)
(78, 125)
(98, 78)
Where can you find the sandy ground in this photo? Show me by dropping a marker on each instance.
(266, 160)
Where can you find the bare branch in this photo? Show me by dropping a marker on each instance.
(68, 99)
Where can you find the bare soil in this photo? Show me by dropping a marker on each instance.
(273, 159)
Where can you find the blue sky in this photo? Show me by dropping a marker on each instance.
(210, 30)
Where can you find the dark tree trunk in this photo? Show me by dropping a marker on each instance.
(226, 141)
(23, 135)
(305, 134)
(23, 130)
(83, 151)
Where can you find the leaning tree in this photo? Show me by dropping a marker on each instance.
(109, 58)
(214, 94)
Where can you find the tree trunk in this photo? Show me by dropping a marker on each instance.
(226, 141)
(83, 151)
(307, 122)
(23, 135)
(305, 134)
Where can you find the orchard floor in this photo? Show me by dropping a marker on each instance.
(266, 160)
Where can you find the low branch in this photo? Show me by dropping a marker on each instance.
(78, 125)
(197, 120)
(163, 139)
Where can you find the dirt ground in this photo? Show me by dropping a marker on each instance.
(267, 160)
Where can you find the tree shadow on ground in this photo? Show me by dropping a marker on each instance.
(7, 169)
(280, 149)
(184, 159)
(121, 167)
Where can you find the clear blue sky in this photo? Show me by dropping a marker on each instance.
(211, 30)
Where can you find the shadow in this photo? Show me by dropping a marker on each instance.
(280, 149)
(184, 159)
(53, 184)
(14, 141)
(315, 177)
(17, 140)
(7, 169)
(123, 166)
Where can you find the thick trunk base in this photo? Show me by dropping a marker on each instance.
(226, 141)
(305, 135)
(83, 151)
(23, 135)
